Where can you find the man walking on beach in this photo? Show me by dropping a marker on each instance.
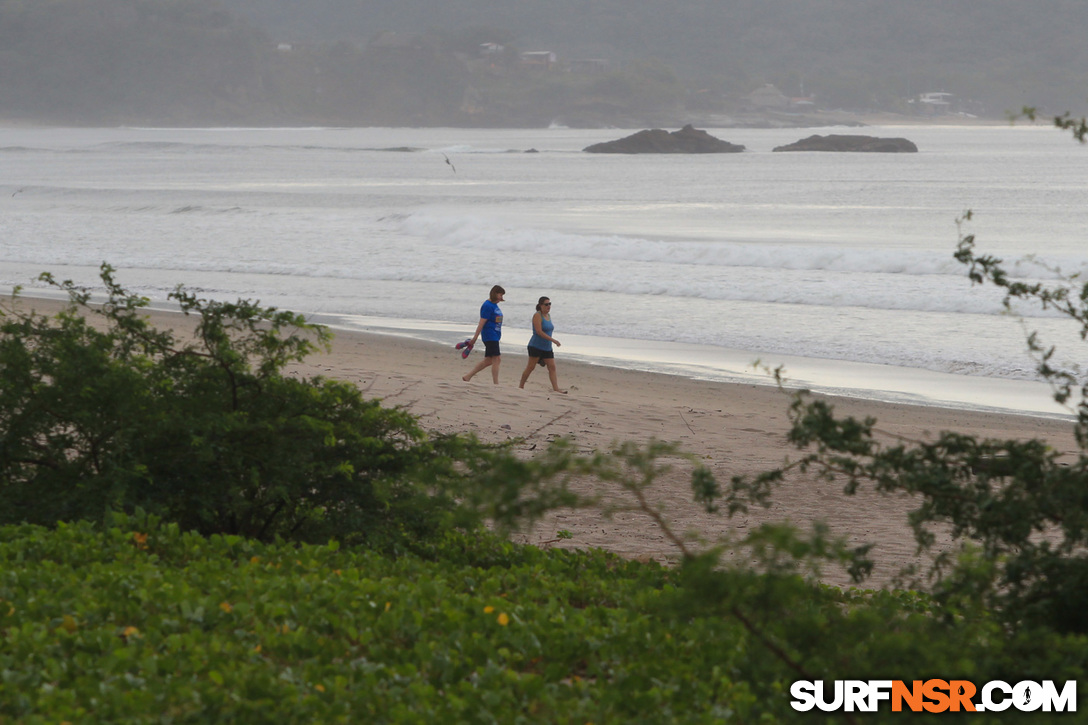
(489, 330)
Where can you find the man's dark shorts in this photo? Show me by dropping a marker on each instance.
(491, 348)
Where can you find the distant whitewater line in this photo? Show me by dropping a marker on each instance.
(777, 286)
(478, 233)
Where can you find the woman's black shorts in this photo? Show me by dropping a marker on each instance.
(491, 348)
(542, 354)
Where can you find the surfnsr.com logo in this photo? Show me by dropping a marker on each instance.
(933, 696)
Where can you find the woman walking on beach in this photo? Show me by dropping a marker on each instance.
(540, 344)
(489, 330)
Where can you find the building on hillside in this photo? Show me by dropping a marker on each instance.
(933, 104)
(767, 96)
(545, 59)
(802, 104)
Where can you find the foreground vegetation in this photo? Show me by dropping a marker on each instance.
(189, 535)
(139, 622)
(155, 568)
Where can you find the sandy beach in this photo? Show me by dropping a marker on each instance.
(733, 428)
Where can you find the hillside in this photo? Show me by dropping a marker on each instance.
(602, 62)
(1003, 54)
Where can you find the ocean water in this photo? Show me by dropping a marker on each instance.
(838, 266)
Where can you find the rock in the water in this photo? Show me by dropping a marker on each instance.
(835, 142)
(687, 140)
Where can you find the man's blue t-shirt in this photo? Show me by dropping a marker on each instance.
(493, 327)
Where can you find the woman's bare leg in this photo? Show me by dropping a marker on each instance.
(528, 370)
(553, 375)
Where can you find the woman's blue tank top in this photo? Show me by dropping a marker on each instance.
(539, 342)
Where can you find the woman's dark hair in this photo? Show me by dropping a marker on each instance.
(495, 292)
(541, 301)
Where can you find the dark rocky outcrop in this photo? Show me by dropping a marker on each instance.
(687, 140)
(835, 142)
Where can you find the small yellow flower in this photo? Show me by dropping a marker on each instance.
(255, 560)
(226, 607)
(503, 619)
(131, 631)
(140, 539)
(388, 605)
(488, 609)
(257, 649)
(319, 688)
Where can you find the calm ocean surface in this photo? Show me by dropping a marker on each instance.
(837, 265)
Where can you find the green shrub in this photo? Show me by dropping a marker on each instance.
(139, 622)
(209, 432)
(142, 623)
(1018, 511)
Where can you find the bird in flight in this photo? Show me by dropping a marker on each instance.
(447, 158)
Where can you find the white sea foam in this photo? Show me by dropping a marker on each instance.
(891, 279)
(479, 233)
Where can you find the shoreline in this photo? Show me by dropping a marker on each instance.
(837, 379)
(734, 428)
(833, 378)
